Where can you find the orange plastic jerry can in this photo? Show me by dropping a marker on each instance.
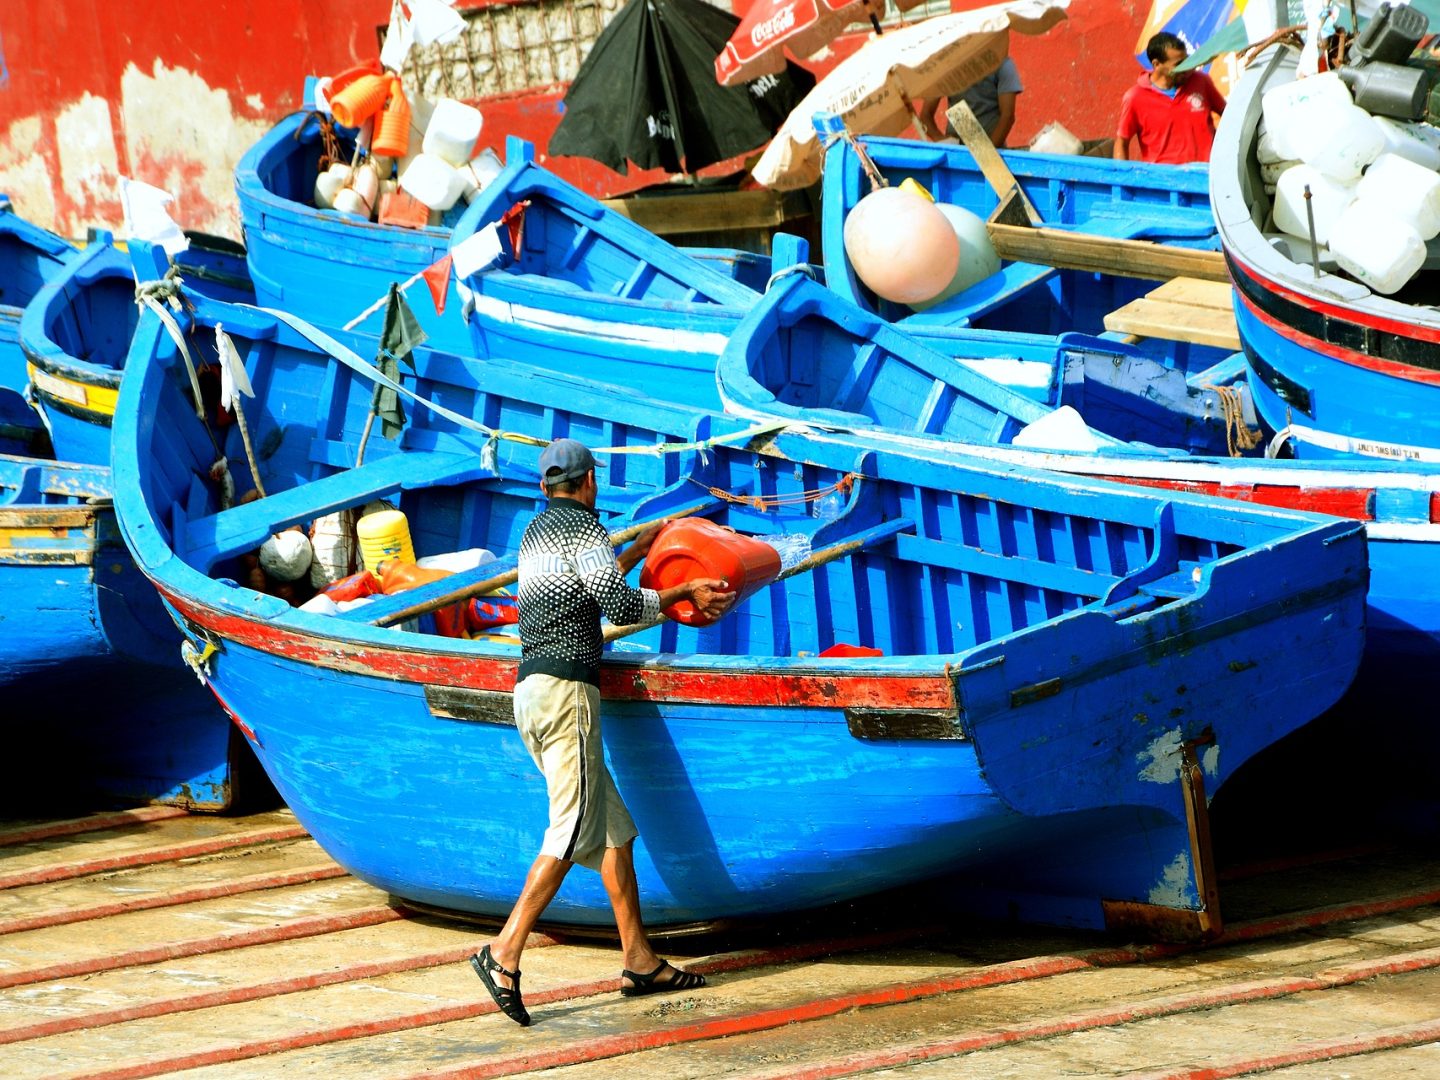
(693, 547)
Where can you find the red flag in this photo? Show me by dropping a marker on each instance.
(514, 222)
(437, 277)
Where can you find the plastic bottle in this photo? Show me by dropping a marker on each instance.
(1329, 198)
(1409, 191)
(1282, 103)
(1337, 140)
(1376, 247)
(432, 180)
(1419, 143)
(383, 535)
(452, 131)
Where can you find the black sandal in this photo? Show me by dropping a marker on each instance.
(506, 997)
(646, 984)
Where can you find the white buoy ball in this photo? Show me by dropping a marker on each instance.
(286, 556)
(978, 259)
(901, 245)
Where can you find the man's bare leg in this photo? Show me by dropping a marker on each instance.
(617, 871)
(546, 875)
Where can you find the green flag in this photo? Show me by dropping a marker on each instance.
(401, 336)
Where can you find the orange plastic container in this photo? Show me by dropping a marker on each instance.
(397, 575)
(392, 129)
(359, 101)
(693, 547)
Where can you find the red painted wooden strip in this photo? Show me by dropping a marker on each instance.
(1041, 967)
(1209, 998)
(618, 682)
(169, 853)
(309, 926)
(1357, 504)
(1393, 368)
(1338, 312)
(302, 1040)
(1303, 920)
(255, 992)
(1396, 1038)
(92, 823)
(254, 883)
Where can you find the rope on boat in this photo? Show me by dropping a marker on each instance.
(493, 436)
(146, 294)
(774, 502)
(332, 153)
(793, 268)
(1239, 436)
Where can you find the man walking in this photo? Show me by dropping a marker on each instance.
(1169, 114)
(569, 576)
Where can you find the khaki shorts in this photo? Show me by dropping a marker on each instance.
(560, 722)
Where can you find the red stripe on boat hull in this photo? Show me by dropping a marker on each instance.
(618, 682)
(1357, 504)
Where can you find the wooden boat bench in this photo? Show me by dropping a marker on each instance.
(1013, 280)
(239, 529)
(1182, 309)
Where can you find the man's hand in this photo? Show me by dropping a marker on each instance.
(639, 547)
(712, 597)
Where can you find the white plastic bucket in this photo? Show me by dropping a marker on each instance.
(1408, 191)
(1338, 140)
(1377, 248)
(434, 181)
(452, 130)
(1329, 198)
(1281, 104)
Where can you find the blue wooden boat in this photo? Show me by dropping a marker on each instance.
(29, 257)
(90, 667)
(806, 356)
(593, 292)
(1057, 654)
(1342, 370)
(323, 265)
(76, 331)
(1122, 200)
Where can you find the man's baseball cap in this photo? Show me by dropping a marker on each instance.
(565, 459)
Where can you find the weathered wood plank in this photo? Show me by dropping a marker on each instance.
(1176, 321)
(1104, 254)
(666, 214)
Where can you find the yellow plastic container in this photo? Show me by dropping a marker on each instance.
(384, 535)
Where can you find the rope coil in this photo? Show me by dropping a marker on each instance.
(1239, 436)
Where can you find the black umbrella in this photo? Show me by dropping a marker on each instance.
(647, 93)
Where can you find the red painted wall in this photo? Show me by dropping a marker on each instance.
(120, 76)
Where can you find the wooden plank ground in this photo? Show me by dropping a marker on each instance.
(258, 957)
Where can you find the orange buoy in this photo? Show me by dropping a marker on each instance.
(392, 128)
(359, 101)
(692, 548)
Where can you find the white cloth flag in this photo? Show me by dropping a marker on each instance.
(146, 217)
(233, 379)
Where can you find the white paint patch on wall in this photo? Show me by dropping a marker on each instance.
(24, 174)
(1160, 761)
(182, 135)
(1173, 889)
(86, 143)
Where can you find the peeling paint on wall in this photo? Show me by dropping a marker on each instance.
(85, 142)
(1174, 888)
(24, 172)
(183, 136)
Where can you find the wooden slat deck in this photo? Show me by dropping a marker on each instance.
(1182, 309)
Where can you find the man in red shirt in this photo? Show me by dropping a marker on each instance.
(1168, 114)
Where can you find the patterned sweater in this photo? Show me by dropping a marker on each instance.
(568, 578)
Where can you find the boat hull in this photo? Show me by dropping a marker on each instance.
(1342, 371)
(321, 265)
(90, 665)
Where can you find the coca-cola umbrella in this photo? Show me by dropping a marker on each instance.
(770, 27)
(647, 93)
(875, 90)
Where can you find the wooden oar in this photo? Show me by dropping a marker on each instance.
(509, 577)
(815, 559)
